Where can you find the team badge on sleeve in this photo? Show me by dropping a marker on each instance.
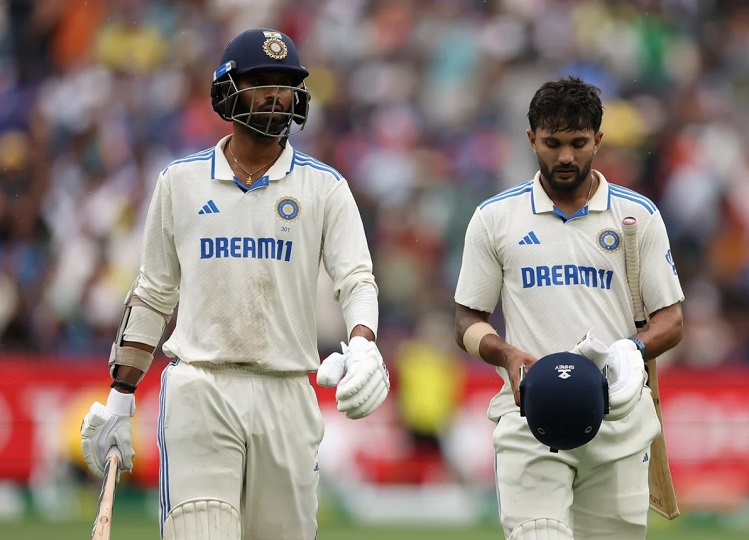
(609, 240)
(288, 208)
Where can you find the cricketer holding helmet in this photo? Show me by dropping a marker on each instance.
(236, 233)
(551, 250)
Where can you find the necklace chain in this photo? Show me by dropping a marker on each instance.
(590, 190)
(249, 174)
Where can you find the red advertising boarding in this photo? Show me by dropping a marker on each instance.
(706, 418)
(43, 400)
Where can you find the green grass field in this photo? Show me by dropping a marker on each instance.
(135, 519)
(131, 527)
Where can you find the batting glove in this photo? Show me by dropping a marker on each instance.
(106, 430)
(625, 371)
(365, 383)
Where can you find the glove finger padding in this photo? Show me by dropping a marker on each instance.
(593, 349)
(370, 405)
(625, 372)
(331, 370)
(366, 382)
(104, 433)
(114, 436)
(357, 377)
(628, 377)
(95, 418)
(364, 362)
(356, 399)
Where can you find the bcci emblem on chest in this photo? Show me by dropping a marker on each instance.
(288, 208)
(609, 240)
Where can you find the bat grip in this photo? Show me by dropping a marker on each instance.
(632, 264)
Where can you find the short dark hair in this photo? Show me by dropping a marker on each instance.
(568, 104)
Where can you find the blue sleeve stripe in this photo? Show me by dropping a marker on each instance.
(626, 193)
(205, 155)
(303, 159)
(525, 187)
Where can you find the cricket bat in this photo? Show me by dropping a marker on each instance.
(662, 495)
(103, 522)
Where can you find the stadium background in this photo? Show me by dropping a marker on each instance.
(421, 105)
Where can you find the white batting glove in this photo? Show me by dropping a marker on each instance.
(365, 383)
(593, 349)
(106, 430)
(625, 371)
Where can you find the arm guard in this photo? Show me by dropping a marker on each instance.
(140, 323)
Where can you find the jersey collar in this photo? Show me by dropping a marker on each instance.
(600, 201)
(222, 170)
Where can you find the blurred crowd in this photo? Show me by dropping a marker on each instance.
(420, 104)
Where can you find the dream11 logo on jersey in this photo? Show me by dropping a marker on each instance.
(245, 247)
(565, 275)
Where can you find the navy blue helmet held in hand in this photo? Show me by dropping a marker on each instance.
(564, 397)
(252, 52)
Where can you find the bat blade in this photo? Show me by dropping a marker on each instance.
(662, 494)
(103, 522)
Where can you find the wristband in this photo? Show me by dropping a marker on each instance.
(124, 385)
(640, 345)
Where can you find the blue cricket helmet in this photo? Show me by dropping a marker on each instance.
(564, 397)
(263, 49)
(258, 50)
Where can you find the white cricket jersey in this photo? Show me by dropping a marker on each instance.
(243, 263)
(558, 277)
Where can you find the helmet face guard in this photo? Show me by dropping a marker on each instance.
(255, 51)
(228, 102)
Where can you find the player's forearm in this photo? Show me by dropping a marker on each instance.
(663, 332)
(492, 348)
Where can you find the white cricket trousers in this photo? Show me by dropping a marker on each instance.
(229, 433)
(599, 490)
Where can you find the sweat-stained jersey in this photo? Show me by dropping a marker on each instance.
(557, 278)
(243, 263)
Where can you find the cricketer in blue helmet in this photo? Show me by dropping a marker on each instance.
(236, 234)
(549, 253)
